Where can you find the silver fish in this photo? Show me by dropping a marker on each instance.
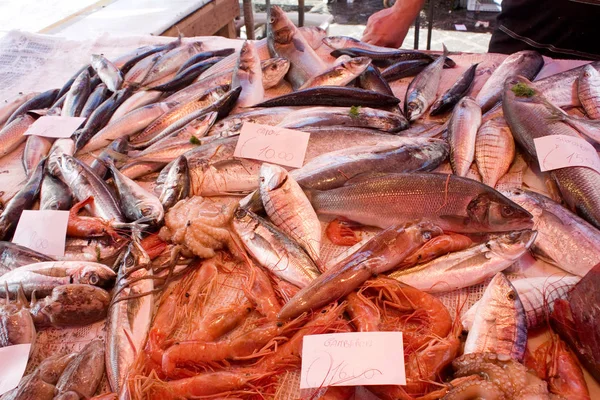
(109, 74)
(588, 91)
(273, 249)
(12, 135)
(494, 150)
(564, 239)
(97, 97)
(170, 62)
(177, 183)
(526, 63)
(84, 372)
(462, 132)
(77, 95)
(537, 296)
(59, 147)
(248, 75)
(423, 88)
(341, 74)
(13, 256)
(196, 128)
(500, 325)
(42, 277)
(285, 40)
(136, 203)
(289, 209)
(84, 183)
(137, 100)
(36, 148)
(470, 266)
(10, 106)
(54, 194)
(100, 250)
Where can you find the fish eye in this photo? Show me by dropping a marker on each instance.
(94, 279)
(507, 211)
(240, 213)
(511, 296)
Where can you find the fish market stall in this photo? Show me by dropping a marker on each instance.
(222, 203)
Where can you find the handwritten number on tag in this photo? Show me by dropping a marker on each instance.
(340, 373)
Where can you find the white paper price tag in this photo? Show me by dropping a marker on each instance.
(14, 361)
(55, 126)
(352, 359)
(272, 144)
(44, 231)
(560, 151)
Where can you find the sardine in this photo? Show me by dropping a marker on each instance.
(136, 203)
(196, 128)
(118, 148)
(84, 372)
(248, 75)
(13, 256)
(528, 117)
(564, 239)
(273, 249)
(468, 267)
(59, 147)
(84, 183)
(500, 325)
(12, 135)
(10, 106)
(137, 100)
(332, 96)
(177, 183)
(65, 88)
(36, 148)
(339, 75)
(526, 63)
(404, 69)
(285, 40)
(457, 91)
(462, 132)
(345, 116)
(380, 254)
(454, 203)
(23, 200)
(130, 314)
(333, 169)
(109, 74)
(41, 101)
(138, 73)
(77, 95)
(141, 54)
(171, 61)
(588, 91)
(42, 277)
(494, 150)
(422, 90)
(97, 97)
(537, 296)
(54, 194)
(185, 77)
(289, 209)
(131, 123)
(205, 55)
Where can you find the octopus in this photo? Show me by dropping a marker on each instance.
(201, 226)
(501, 377)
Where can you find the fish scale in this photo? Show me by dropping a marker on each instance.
(462, 133)
(494, 150)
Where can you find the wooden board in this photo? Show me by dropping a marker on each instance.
(215, 18)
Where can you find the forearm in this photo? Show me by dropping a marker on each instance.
(388, 27)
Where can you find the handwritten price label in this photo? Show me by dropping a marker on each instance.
(55, 126)
(352, 359)
(44, 231)
(12, 371)
(560, 151)
(272, 144)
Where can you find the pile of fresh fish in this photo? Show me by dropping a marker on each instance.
(165, 222)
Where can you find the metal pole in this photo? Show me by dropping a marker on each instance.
(430, 24)
(417, 26)
(249, 18)
(300, 12)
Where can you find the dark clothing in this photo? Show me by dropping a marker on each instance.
(555, 28)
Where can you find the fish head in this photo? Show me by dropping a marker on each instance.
(357, 65)
(501, 291)
(589, 72)
(68, 166)
(282, 28)
(339, 42)
(493, 212)
(94, 274)
(520, 89)
(97, 60)
(512, 245)
(314, 35)
(271, 176)
(414, 108)
(274, 69)
(244, 222)
(525, 199)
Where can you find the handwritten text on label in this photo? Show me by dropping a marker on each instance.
(12, 371)
(560, 151)
(272, 144)
(352, 359)
(55, 126)
(43, 231)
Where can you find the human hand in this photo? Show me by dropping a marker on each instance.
(386, 28)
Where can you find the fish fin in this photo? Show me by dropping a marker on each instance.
(298, 44)
(445, 55)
